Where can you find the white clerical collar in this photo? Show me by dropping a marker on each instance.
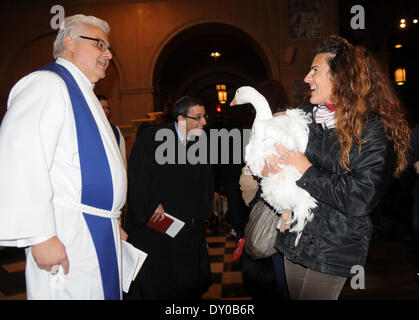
(75, 71)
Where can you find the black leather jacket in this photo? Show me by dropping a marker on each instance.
(338, 236)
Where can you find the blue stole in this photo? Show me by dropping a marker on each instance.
(115, 132)
(97, 187)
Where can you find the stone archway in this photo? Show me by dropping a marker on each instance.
(182, 64)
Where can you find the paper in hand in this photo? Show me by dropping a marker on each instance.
(169, 225)
(132, 260)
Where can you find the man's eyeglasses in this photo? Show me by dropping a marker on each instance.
(198, 117)
(99, 42)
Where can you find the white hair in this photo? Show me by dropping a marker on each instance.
(71, 26)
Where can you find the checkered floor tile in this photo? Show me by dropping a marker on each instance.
(227, 280)
(12, 274)
(226, 275)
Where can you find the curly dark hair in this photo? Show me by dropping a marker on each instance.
(359, 87)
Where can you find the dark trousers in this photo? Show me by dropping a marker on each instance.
(280, 279)
(307, 284)
(237, 213)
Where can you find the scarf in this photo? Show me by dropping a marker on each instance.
(325, 115)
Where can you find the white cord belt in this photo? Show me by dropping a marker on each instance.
(87, 209)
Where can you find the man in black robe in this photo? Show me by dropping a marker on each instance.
(176, 268)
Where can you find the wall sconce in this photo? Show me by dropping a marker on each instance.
(400, 76)
(215, 55)
(222, 96)
(222, 93)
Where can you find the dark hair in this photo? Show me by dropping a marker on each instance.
(182, 106)
(360, 87)
(101, 97)
(341, 49)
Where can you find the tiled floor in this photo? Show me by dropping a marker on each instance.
(226, 276)
(227, 282)
(388, 273)
(12, 274)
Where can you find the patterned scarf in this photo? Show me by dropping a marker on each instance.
(325, 114)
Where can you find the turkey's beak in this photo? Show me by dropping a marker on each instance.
(233, 102)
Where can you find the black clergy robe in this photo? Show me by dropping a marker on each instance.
(176, 268)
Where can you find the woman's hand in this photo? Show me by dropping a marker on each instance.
(271, 166)
(285, 218)
(295, 158)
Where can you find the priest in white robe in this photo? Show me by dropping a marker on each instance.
(41, 193)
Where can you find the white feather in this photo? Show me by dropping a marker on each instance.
(289, 130)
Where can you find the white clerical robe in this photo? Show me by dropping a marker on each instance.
(122, 147)
(39, 161)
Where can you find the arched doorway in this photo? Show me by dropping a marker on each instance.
(185, 66)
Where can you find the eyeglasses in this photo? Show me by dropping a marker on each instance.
(99, 42)
(198, 117)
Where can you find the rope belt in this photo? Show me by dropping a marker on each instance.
(87, 209)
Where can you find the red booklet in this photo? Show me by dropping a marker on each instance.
(161, 226)
(169, 225)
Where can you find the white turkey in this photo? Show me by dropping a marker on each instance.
(289, 130)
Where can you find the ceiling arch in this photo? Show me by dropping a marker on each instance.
(184, 64)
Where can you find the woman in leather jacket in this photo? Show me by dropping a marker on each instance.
(357, 140)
